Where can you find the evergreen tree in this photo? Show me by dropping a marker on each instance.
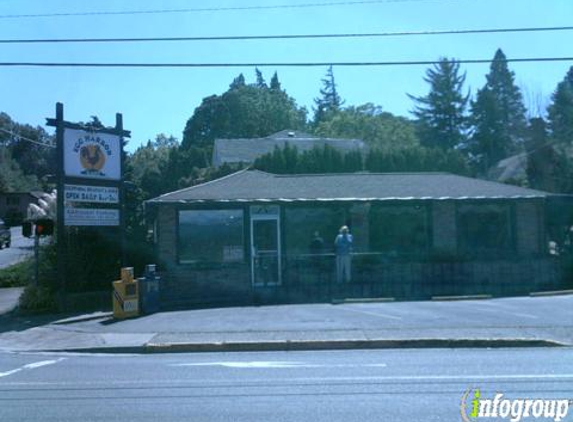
(441, 113)
(325, 159)
(329, 101)
(497, 116)
(560, 112)
(275, 84)
(260, 79)
(416, 159)
(353, 161)
(290, 158)
(238, 82)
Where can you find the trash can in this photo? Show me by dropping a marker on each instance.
(149, 290)
(125, 296)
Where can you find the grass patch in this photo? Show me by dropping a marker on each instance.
(17, 275)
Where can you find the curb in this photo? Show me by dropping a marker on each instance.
(83, 318)
(285, 346)
(466, 297)
(551, 293)
(363, 300)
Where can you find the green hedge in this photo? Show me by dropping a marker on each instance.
(17, 275)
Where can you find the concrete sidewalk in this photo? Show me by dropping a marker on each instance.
(510, 322)
(9, 298)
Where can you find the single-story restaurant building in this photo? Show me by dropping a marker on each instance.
(247, 238)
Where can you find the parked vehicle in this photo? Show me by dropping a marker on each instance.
(5, 235)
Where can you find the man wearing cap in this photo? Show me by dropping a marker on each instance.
(343, 247)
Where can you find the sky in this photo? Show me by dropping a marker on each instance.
(155, 101)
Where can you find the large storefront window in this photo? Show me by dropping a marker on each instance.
(398, 229)
(211, 236)
(484, 229)
(301, 223)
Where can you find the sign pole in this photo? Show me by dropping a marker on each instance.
(61, 239)
(90, 162)
(37, 260)
(122, 225)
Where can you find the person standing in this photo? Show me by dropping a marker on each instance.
(343, 247)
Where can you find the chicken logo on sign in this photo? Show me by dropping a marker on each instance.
(93, 152)
(92, 155)
(92, 158)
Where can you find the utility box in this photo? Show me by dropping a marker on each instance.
(149, 286)
(125, 295)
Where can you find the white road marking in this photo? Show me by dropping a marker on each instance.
(371, 313)
(33, 365)
(267, 365)
(245, 364)
(254, 382)
(497, 308)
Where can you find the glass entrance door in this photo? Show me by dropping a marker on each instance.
(266, 262)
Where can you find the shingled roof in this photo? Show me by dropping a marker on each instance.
(246, 150)
(256, 186)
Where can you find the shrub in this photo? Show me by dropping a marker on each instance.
(37, 299)
(17, 275)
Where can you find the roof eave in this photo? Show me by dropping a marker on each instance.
(405, 199)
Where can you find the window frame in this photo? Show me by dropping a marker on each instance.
(492, 254)
(425, 208)
(337, 206)
(211, 264)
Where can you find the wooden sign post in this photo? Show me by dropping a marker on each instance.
(90, 165)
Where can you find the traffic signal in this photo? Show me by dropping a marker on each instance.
(44, 227)
(27, 229)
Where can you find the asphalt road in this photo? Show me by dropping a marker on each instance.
(21, 248)
(391, 385)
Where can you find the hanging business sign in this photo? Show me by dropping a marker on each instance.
(91, 217)
(92, 155)
(92, 194)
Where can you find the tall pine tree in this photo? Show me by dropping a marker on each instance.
(497, 116)
(560, 112)
(260, 83)
(329, 101)
(275, 84)
(441, 113)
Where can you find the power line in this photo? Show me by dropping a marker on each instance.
(205, 9)
(18, 136)
(279, 64)
(287, 37)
